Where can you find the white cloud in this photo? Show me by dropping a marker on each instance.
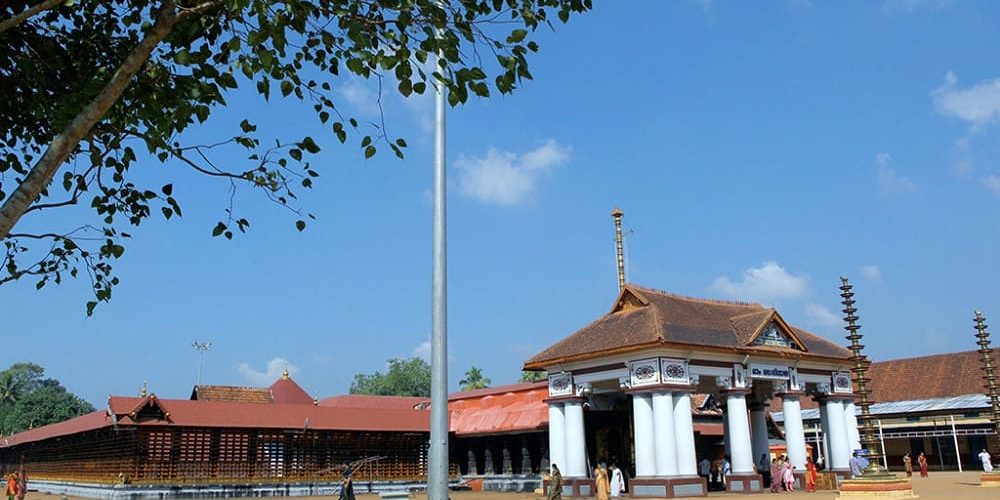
(273, 372)
(422, 351)
(992, 182)
(820, 315)
(872, 273)
(978, 104)
(505, 178)
(889, 6)
(889, 180)
(361, 97)
(767, 282)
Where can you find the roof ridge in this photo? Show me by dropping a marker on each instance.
(938, 355)
(743, 315)
(695, 299)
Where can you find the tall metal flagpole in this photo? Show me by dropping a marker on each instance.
(437, 475)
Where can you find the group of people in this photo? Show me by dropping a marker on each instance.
(609, 482)
(781, 474)
(908, 464)
(17, 485)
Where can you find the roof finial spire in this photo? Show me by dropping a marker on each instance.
(284, 374)
(990, 375)
(143, 393)
(617, 215)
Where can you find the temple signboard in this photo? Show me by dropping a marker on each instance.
(768, 371)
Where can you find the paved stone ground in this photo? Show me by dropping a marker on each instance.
(939, 486)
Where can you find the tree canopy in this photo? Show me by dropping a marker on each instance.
(473, 380)
(405, 377)
(97, 90)
(28, 399)
(532, 376)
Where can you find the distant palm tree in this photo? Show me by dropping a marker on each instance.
(473, 380)
(527, 376)
(10, 388)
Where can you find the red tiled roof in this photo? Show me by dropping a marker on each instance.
(370, 402)
(642, 317)
(286, 391)
(232, 394)
(510, 408)
(193, 413)
(928, 377)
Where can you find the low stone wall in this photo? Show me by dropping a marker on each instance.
(523, 483)
(148, 492)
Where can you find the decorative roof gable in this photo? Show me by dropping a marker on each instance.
(149, 408)
(775, 332)
(629, 299)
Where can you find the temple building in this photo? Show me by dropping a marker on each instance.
(643, 360)
(929, 404)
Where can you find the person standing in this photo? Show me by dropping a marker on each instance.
(601, 482)
(727, 469)
(347, 485)
(908, 464)
(22, 484)
(763, 468)
(922, 461)
(984, 457)
(810, 475)
(617, 481)
(12, 486)
(555, 484)
(775, 475)
(787, 476)
(855, 465)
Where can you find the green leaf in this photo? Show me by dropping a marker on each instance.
(286, 87)
(517, 36)
(300, 225)
(168, 189)
(369, 152)
(219, 228)
(309, 145)
(295, 153)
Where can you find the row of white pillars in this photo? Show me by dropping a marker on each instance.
(567, 442)
(664, 434)
(740, 445)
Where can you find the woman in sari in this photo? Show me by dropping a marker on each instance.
(775, 476)
(601, 482)
(908, 464)
(922, 461)
(810, 475)
(787, 477)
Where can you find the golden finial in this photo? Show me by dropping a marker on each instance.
(617, 215)
(143, 392)
(284, 374)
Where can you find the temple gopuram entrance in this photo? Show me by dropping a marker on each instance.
(621, 390)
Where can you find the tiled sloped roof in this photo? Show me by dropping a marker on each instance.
(746, 325)
(928, 377)
(511, 408)
(643, 317)
(83, 423)
(286, 391)
(375, 402)
(232, 394)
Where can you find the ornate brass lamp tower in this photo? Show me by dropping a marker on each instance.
(861, 380)
(989, 478)
(874, 481)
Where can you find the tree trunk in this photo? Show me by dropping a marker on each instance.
(62, 145)
(20, 18)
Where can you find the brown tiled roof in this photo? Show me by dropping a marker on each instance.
(747, 325)
(642, 317)
(286, 391)
(370, 401)
(232, 394)
(927, 377)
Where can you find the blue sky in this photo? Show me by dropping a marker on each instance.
(759, 151)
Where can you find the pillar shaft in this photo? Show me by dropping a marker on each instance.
(840, 455)
(851, 422)
(795, 437)
(645, 440)
(687, 462)
(557, 435)
(663, 431)
(758, 434)
(576, 445)
(739, 433)
(824, 422)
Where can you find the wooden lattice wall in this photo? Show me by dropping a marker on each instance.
(170, 455)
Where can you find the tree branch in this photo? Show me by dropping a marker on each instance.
(20, 18)
(66, 142)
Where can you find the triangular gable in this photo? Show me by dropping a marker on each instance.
(628, 300)
(772, 330)
(149, 408)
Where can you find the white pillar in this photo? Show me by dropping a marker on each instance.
(739, 433)
(795, 436)
(576, 445)
(840, 455)
(758, 432)
(557, 435)
(687, 462)
(663, 431)
(727, 447)
(645, 449)
(851, 421)
(824, 422)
